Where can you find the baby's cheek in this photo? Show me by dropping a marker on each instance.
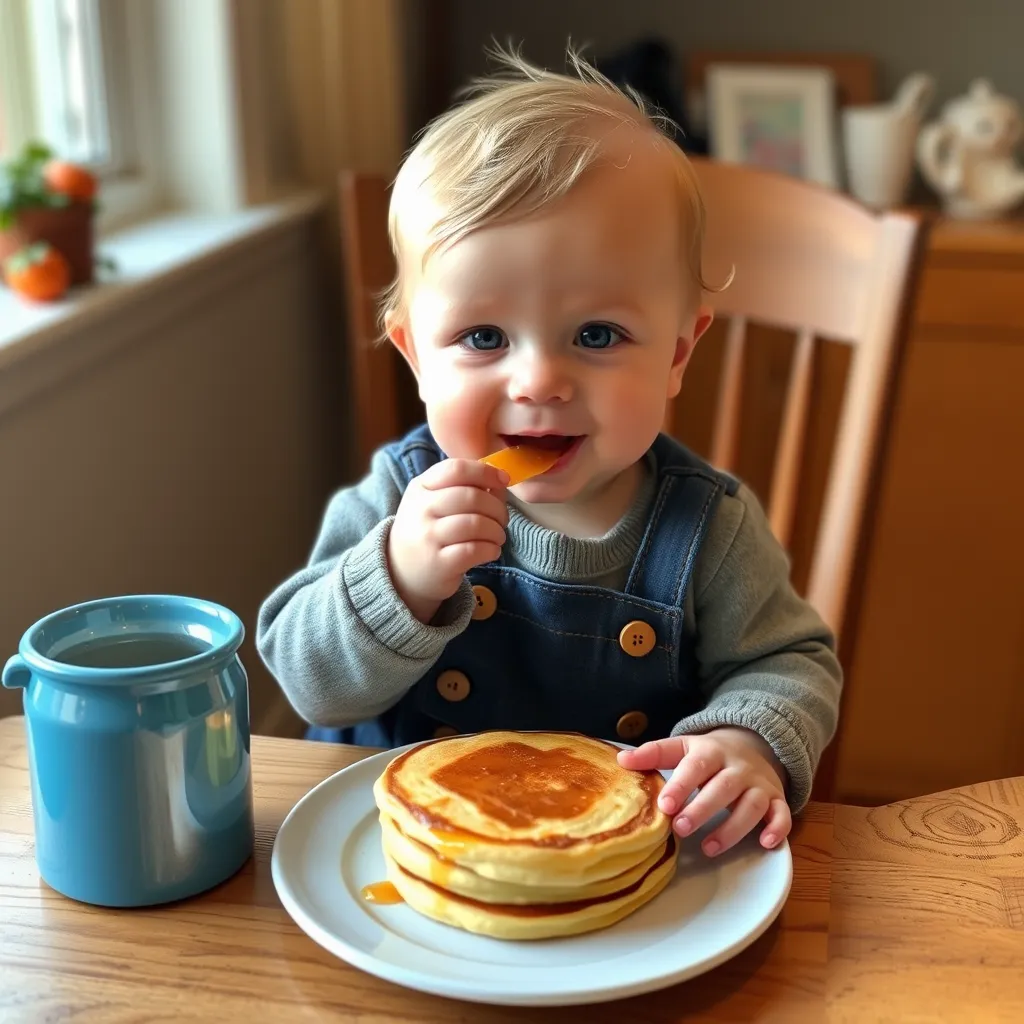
(459, 418)
(632, 413)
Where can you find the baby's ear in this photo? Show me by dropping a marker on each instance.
(401, 337)
(684, 348)
(703, 320)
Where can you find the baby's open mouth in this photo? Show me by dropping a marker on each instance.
(547, 442)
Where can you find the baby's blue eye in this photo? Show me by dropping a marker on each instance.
(597, 336)
(483, 339)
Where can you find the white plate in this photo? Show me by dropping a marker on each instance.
(329, 847)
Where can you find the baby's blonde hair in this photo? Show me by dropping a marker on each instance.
(522, 141)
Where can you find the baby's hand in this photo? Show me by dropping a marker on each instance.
(734, 768)
(450, 519)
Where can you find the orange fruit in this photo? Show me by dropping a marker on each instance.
(522, 462)
(38, 272)
(70, 180)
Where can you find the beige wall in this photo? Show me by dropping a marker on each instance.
(953, 39)
(194, 459)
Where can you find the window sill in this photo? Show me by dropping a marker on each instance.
(128, 200)
(155, 261)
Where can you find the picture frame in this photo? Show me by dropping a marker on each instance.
(778, 118)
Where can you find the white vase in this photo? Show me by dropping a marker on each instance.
(879, 141)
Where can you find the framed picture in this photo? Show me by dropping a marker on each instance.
(779, 118)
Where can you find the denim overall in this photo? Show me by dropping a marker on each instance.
(565, 657)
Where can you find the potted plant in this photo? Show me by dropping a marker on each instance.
(50, 202)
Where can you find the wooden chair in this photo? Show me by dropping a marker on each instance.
(815, 263)
(382, 388)
(812, 261)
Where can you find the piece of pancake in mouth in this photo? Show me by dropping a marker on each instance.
(522, 835)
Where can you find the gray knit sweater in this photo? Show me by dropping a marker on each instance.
(344, 647)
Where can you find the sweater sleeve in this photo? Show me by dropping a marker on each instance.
(337, 637)
(767, 659)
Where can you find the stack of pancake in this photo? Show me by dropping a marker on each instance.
(523, 835)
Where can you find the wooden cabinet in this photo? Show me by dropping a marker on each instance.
(936, 665)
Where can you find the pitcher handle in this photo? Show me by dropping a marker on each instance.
(16, 673)
(915, 93)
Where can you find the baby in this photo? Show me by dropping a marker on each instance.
(549, 291)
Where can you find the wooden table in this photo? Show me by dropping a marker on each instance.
(910, 912)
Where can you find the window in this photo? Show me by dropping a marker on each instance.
(72, 75)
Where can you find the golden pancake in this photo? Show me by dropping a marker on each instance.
(526, 809)
(539, 921)
(422, 862)
(523, 835)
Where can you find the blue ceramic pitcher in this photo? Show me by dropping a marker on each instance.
(137, 713)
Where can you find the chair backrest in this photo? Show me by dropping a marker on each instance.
(814, 262)
(380, 387)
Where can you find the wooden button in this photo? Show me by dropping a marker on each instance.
(631, 725)
(444, 730)
(453, 685)
(637, 639)
(486, 603)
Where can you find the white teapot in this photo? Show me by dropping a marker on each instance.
(968, 155)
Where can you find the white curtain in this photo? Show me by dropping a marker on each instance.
(321, 88)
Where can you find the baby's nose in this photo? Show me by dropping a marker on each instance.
(540, 379)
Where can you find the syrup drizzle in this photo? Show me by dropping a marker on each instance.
(382, 893)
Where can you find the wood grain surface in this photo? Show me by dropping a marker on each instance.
(917, 914)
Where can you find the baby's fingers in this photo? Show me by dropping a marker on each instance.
(717, 794)
(778, 824)
(700, 764)
(745, 814)
(458, 559)
(463, 473)
(666, 753)
(464, 528)
(453, 501)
